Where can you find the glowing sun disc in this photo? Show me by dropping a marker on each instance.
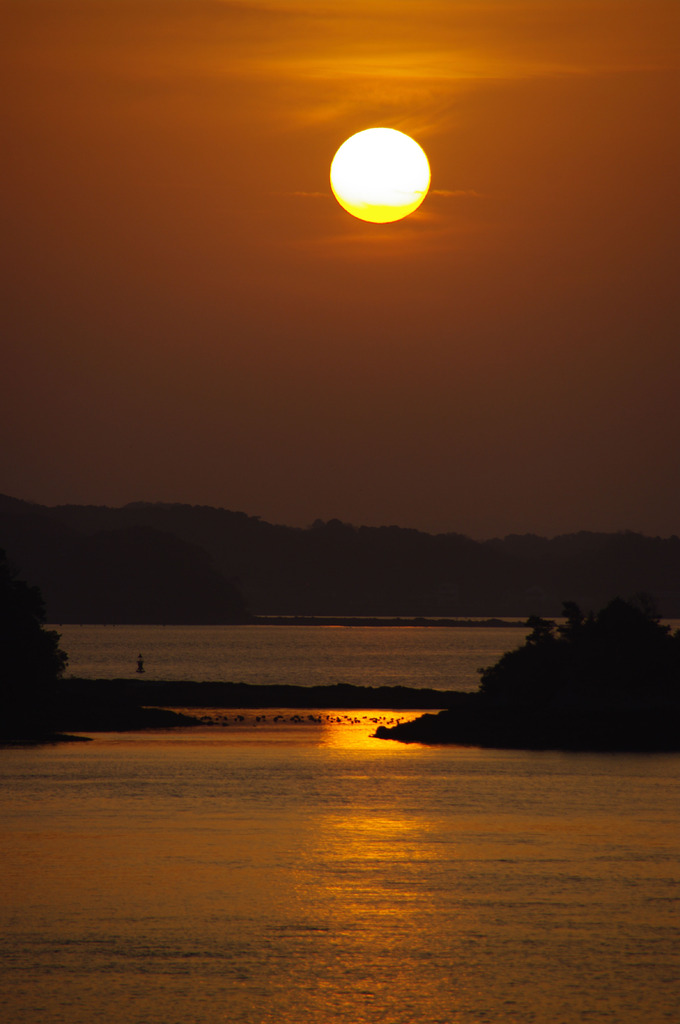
(380, 175)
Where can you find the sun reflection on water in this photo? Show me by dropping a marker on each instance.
(336, 728)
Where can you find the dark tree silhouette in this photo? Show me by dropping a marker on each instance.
(619, 655)
(606, 681)
(31, 660)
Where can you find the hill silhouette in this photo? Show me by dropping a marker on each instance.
(130, 574)
(156, 562)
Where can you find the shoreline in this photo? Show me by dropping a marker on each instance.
(405, 621)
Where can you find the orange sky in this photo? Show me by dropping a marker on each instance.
(190, 316)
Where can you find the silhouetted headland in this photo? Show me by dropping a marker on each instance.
(608, 681)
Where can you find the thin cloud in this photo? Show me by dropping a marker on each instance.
(457, 193)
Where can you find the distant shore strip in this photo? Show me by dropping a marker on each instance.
(371, 620)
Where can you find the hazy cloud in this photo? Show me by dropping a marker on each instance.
(457, 193)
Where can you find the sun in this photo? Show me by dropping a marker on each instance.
(380, 175)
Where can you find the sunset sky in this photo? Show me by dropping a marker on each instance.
(189, 315)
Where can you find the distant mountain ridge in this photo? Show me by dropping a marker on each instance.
(159, 562)
(130, 573)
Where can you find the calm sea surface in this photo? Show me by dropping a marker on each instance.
(436, 657)
(310, 874)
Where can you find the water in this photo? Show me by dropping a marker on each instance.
(312, 874)
(436, 657)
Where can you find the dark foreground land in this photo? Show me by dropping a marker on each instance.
(608, 681)
(465, 719)
(473, 721)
